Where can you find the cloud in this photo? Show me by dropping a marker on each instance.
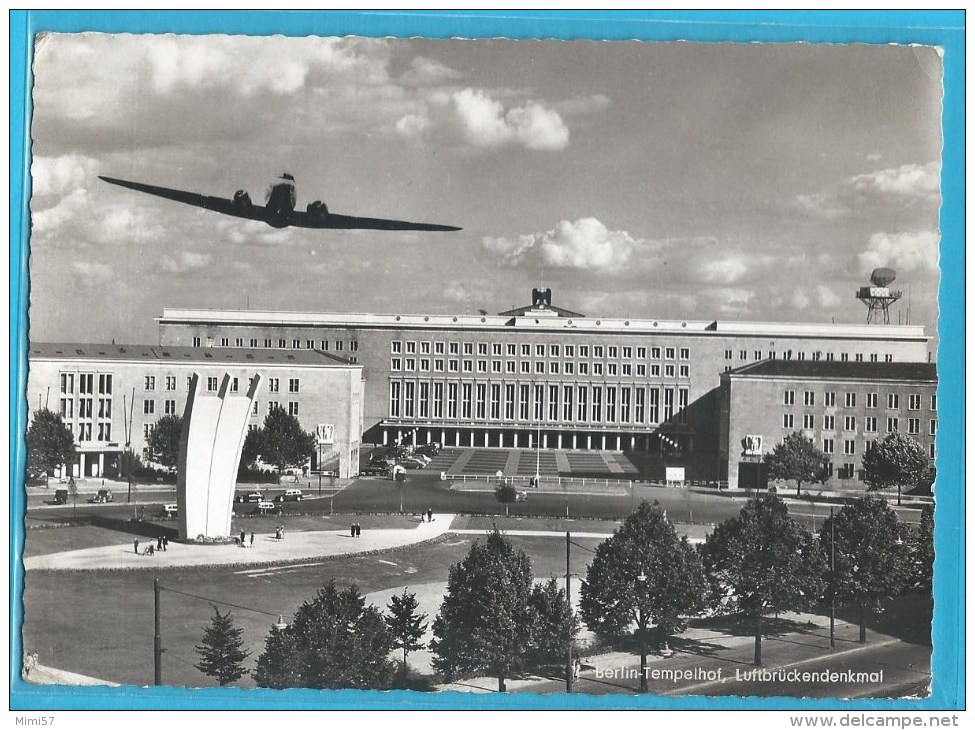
(901, 251)
(427, 72)
(727, 270)
(61, 175)
(93, 273)
(885, 191)
(800, 300)
(184, 262)
(486, 123)
(584, 244)
(826, 297)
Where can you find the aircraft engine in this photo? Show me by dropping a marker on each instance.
(318, 209)
(242, 201)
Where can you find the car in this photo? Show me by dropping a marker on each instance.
(379, 469)
(250, 497)
(60, 496)
(170, 510)
(410, 464)
(289, 495)
(104, 496)
(421, 457)
(264, 507)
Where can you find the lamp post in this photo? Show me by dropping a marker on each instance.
(641, 621)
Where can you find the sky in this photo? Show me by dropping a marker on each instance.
(723, 181)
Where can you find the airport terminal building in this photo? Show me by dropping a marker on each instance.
(544, 376)
(111, 396)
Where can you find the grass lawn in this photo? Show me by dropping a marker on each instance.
(101, 623)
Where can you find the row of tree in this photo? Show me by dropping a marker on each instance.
(644, 583)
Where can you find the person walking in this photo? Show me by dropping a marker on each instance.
(352, 530)
(429, 515)
(252, 539)
(137, 546)
(165, 542)
(159, 543)
(243, 536)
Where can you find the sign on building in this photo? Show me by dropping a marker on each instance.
(674, 474)
(752, 445)
(325, 433)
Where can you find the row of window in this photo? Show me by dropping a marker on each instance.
(282, 343)
(850, 447)
(511, 349)
(538, 402)
(850, 424)
(817, 355)
(213, 383)
(850, 400)
(554, 367)
(85, 383)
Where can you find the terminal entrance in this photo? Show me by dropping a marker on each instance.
(752, 475)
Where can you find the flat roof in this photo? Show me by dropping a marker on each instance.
(529, 321)
(838, 370)
(204, 355)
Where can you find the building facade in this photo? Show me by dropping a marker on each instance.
(842, 406)
(112, 396)
(545, 375)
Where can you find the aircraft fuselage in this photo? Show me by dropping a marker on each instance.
(281, 201)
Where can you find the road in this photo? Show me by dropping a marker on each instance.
(424, 490)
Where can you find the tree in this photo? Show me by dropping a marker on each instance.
(282, 441)
(895, 461)
(645, 574)
(869, 557)
(335, 641)
(405, 624)
(221, 652)
(163, 442)
(252, 446)
(763, 561)
(50, 443)
(798, 458)
(485, 621)
(922, 550)
(555, 624)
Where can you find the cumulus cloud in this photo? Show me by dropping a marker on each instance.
(901, 251)
(93, 273)
(725, 270)
(183, 262)
(826, 297)
(800, 300)
(426, 71)
(585, 244)
(486, 123)
(61, 175)
(892, 188)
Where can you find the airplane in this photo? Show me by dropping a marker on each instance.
(279, 209)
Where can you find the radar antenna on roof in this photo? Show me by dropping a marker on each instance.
(880, 296)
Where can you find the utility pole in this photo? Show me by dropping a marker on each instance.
(157, 639)
(568, 600)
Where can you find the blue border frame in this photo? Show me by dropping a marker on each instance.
(942, 28)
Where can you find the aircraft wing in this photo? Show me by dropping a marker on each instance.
(331, 220)
(218, 205)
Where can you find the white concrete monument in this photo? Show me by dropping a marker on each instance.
(214, 428)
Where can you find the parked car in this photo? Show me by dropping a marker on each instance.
(250, 497)
(264, 507)
(410, 464)
(60, 496)
(104, 496)
(379, 469)
(289, 495)
(170, 511)
(431, 449)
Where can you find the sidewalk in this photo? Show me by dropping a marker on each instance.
(294, 546)
(49, 675)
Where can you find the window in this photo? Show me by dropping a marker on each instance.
(914, 402)
(849, 423)
(169, 407)
(453, 366)
(849, 471)
(655, 353)
(583, 350)
(67, 408)
(611, 405)
(597, 404)
(438, 348)
(829, 423)
(870, 424)
(829, 399)
(553, 402)
(685, 353)
(409, 364)
(273, 385)
(934, 402)
(888, 358)
(624, 405)
(452, 400)
(669, 371)
(438, 400)
(409, 397)
(808, 421)
(611, 368)
(553, 350)
(438, 365)
(197, 341)
(509, 366)
(569, 368)
(827, 446)
(873, 357)
(671, 353)
(67, 383)
(539, 367)
(914, 426)
(150, 382)
(293, 408)
(641, 370)
(567, 403)
(424, 365)
(891, 425)
(396, 364)
(254, 409)
(104, 431)
(583, 368)
(668, 403)
(509, 401)
(727, 354)
(931, 450)
(685, 371)
(570, 351)
(526, 350)
(627, 369)
(293, 385)
(538, 405)
(212, 384)
(787, 420)
(639, 405)
(539, 350)
(641, 353)
(482, 366)
(851, 400)
(105, 384)
(743, 354)
(147, 429)
(808, 398)
(597, 368)
(871, 400)
(553, 368)
(309, 344)
(789, 398)
(758, 355)
(148, 407)
(170, 382)
(893, 401)
(468, 366)
(582, 411)
(526, 366)
(510, 349)
(523, 401)
(481, 400)
(655, 370)
(295, 344)
(394, 399)
(849, 447)
(354, 345)
(454, 348)
(844, 357)
(933, 427)
(654, 415)
(597, 351)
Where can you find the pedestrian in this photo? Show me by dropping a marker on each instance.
(159, 543)
(243, 536)
(352, 530)
(252, 539)
(429, 515)
(278, 532)
(576, 666)
(356, 530)
(137, 547)
(151, 549)
(165, 542)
